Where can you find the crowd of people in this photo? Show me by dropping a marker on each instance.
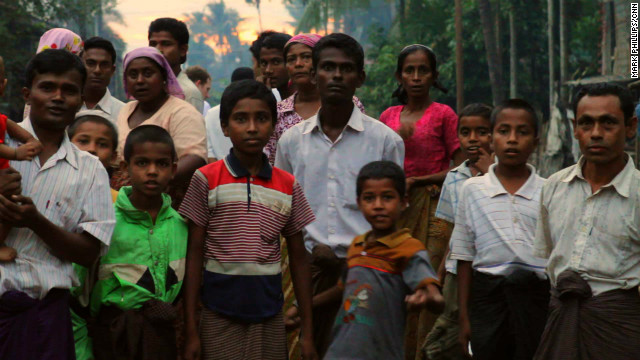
(286, 223)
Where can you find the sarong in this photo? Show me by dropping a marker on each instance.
(326, 269)
(585, 327)
(434, 233)
(223, 338)
(142, 334)
(507, 315)
(442, 340)
(33, 329)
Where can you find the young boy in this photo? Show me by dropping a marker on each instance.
(141, 275)
(589, 229)
(171, 37)
(474, 133)
(93, 132)
(64, 217)
(325, 153)
(237, 208)
(388, 271)
(502, 288)
(29, 148)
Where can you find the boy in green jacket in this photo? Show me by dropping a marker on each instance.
(141, 275)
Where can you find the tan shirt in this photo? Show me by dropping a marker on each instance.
(596, 235)
(184, 123)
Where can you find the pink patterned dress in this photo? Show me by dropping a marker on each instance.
(430, 147)
(288, 117)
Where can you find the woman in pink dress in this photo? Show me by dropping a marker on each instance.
(429, 130)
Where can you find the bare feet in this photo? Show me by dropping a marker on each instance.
(7, 253)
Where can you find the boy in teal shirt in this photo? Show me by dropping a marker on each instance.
(141, 275)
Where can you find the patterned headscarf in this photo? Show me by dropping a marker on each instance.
(60, 38)
(172, 86)
(306, 39)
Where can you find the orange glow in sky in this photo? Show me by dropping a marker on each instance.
(138, 14)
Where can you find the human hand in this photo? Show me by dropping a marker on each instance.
(309, 350)
(10, 182)
(291, 319)
(417, 300)
(29, 150)
(464, 336)
(191, 346)
(19, 211)
(410, 182)
(484, 161)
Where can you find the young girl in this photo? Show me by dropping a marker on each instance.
(430, 138)
(304, 103)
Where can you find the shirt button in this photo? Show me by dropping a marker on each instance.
(515, 220)
(332, 231)
(151, 232)
(251, 179)
(331, 176)
(332, 205)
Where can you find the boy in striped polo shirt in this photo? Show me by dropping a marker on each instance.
(238, 207)
(503, 291)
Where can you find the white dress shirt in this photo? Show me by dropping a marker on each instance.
(218, 145)
(328, 170)
(109, 105)
(594, 234)
(72, 191)
(494, 229)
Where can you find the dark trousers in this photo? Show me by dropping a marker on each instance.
(33, 329)
(507, 315)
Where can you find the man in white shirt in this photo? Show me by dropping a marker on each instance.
(589, 229)
(325, 154)
(171, 38)
(99, 57)
(202, 79)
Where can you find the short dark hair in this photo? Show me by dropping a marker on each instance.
(97, 42)
(256, 45)
(243, 89)
(350, 46)
(148, 133)
(242, 73)
(113, 132)
(275, 41)
(518, 104)
(197, 72)
(54, 61)
(476, 109)
(175, 27)
(382, 170)
(602, 89)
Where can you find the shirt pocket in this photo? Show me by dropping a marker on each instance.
(613, 244)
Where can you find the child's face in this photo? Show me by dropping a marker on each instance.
(96, 139)
(380, 203)
(600, 129)
(250, 126)
(144, 80)
(337, 76)
(514, 137)
(54, 99)
(151, 167)
(474, 133)
(169, 47)
(417, 76)
(273, 69)
(299, 64)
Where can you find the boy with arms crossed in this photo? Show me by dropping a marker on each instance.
(589, 229)
(238, 207)
(502, 288)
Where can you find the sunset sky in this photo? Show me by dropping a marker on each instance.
(139, 13)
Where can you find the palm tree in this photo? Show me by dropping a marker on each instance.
(256, 3)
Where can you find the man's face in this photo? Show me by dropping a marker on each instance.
(100, 68)
(273, 68)
(337, 76)
(204, 88)
(600, 128)
(54, 99)
(175, 53)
